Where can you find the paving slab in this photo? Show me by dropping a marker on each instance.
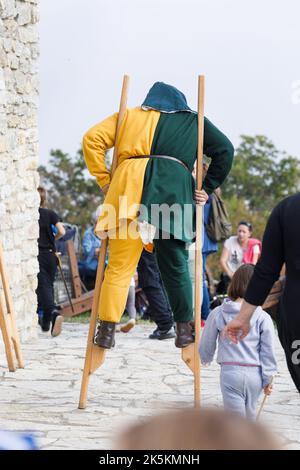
(140, 377)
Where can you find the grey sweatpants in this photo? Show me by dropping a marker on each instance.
(241, 387)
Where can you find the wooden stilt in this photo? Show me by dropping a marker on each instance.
(95, 355)
(190, 354)
(7, 320)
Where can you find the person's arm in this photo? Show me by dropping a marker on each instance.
(268, 267)
(219, 148)
(266, 272)
(267, 351)
(208, 341)
(60, 231)
(256, 253)
(96, 142)
(223, 262)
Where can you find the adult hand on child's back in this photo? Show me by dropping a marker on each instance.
(237, 329)
(268, 389)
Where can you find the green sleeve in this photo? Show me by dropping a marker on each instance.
(219, 148)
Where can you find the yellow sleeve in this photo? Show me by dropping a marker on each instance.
(95, 143)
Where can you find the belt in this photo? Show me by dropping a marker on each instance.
(46, 250)
(164, 157)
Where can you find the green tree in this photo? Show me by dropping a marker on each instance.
(260, 177)
(261, 174)
(72, 192)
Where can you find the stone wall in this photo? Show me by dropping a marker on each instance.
(19, 179)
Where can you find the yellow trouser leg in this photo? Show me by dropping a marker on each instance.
(124, 255)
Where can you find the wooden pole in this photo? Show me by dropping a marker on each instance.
(7, 319)
(6, 334)
(199, 228)
(95, 355)
(190, 354)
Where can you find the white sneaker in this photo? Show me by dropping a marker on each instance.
(57, 321)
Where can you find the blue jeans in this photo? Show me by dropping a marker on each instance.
(205, 302)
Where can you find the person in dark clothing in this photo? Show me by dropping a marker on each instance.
(280, 245)
(48, 222)
(151, 283)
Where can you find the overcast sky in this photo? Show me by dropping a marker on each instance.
(248, 50)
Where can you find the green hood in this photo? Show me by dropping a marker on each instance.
(166, 99)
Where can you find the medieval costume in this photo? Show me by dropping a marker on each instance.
(157, 149)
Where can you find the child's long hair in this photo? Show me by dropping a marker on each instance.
(239, 282)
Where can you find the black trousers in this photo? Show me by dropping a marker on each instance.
(45, 293)
(288, 325)
(151, 283)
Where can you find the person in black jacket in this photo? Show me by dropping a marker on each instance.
(48, 223)
(281, 244)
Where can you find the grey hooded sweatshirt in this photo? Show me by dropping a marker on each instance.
(257, 348)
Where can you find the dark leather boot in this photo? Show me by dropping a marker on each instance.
(105, 336)
(184, 334)
(45, 321)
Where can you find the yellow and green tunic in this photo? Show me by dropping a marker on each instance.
(163, 125)
(153, 181)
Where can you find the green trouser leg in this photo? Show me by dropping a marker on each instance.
(172, 258)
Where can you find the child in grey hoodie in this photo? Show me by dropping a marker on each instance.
(247, 368)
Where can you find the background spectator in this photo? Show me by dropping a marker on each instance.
(91, 248)
(48, 223)
(236, 250)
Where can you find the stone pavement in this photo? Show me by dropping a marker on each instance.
(140, 377)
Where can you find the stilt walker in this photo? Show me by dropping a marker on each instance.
(7, 320)
(95, 356)
(157, 144)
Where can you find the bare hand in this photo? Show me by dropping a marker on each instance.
(200, 197)
(236, 330)
(268, 389)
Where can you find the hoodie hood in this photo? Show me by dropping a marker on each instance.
(166, 99)
(229, 309)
